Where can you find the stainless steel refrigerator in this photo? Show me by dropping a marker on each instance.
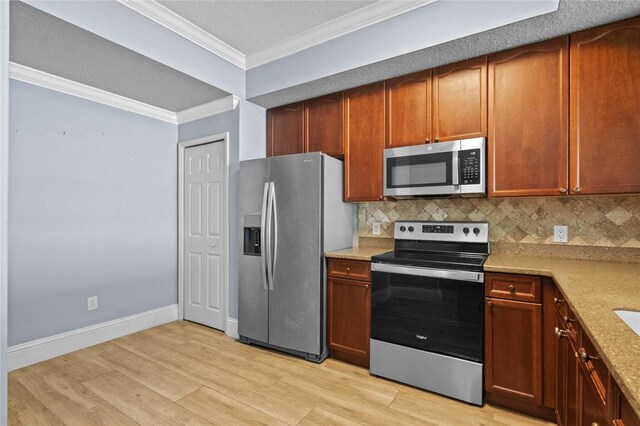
(291, 212)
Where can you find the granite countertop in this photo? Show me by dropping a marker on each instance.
(593, 290)
(358, 253)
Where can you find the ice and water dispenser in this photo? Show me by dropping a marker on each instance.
(251, 231)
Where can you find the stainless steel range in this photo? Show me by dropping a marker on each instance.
(427, 312)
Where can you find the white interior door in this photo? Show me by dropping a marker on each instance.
(204, 218)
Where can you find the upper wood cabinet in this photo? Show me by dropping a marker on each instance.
(364, 142)
(528, 120)
(408, 112)
(605, 109)
(460, 100)
(285, 130)
(323, 118)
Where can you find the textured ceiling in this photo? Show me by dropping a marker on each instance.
(572, 16)
(46, 43)
(249, 26)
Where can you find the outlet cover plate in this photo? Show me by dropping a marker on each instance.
(376, 228)
(560, 234)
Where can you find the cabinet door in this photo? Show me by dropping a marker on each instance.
(408, 112)
(567, 381)
(364, 142)
(513, 349)
(460, 100)
(529, 120)
(605, 109)
(592, 411)
(284, 130)
(323, 124)
(349, 312)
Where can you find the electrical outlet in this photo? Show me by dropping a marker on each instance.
(376, 228)
(92, 303)
(560, 234)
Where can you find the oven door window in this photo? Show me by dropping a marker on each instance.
(420, 170)
(432, 314)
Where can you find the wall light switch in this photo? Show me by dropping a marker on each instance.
(560, 234)
(376, 228)
(92, 303)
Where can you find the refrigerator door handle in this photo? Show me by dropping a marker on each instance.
(264, 236)
(269, 253)
(274, 234)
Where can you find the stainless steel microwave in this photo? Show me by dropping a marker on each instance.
(444, 168)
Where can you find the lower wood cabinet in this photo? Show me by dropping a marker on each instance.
(513, 349)
(349, 310)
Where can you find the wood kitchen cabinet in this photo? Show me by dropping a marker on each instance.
(460, 100)
(513, 343)
(285, 130)
(605, 109)
(528, 120)
(623, 414)
(408, 110)
(364, 134)
(349, 310)
(323, 130)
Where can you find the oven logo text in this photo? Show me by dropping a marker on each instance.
(421, 337)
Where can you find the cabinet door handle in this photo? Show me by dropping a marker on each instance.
(557, 301)
(576, 189)
(348, 269)
(366, 286)
(489, 303)
(563, 190)
(512, 288)
(585, 357)
(427, 140)
(436, 139)
(561, 333)
(567, 320)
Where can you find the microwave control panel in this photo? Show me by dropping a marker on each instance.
(469, 166)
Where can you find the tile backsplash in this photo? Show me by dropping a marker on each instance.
(605, 221)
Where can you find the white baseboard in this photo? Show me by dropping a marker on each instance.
(232, 328)
(28, 353)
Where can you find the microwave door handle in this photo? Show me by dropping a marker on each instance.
(456, 168)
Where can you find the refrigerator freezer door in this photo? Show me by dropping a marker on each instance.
(253, 298)
(295, 303)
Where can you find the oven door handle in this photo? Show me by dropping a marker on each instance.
(476, 277)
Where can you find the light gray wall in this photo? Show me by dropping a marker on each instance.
(220, 123)
(299, 80)
(427, 26)
(92, 211)
(253, 131)
(4, 170)
(118, 23)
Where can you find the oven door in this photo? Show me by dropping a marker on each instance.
(422, 170)
(438, 311)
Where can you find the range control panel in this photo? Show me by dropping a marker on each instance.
(469, 166)
(474, 232)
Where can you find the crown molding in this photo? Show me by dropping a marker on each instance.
(59, 84)
(358, 19)
(63, 85)
(164, 16)
(206, 110)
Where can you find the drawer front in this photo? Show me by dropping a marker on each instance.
(524, 288)
(352, 269)
(595, 368)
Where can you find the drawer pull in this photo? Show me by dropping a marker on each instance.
(512, 288)
(557, 301)
(348, 269)
(366, 286)
(561, 333)
(585, 357)
(567, 320)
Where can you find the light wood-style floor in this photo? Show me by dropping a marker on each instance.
(184, 373)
